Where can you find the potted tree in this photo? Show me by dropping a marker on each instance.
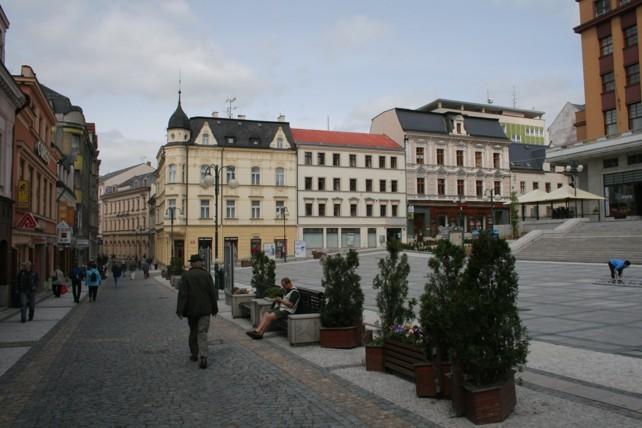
(342, 313)
(488, 339)
(175, 271)
(263, 273)
(437, 308)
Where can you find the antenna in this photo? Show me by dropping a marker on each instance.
(179, 85)
(229, 108)
(515, 98)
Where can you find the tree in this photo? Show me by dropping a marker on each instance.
(263, 273)
(343, 295)
(514, 214)
(392, 283)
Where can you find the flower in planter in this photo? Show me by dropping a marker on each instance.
(407, 333)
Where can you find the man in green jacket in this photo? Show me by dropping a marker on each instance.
(197, 301)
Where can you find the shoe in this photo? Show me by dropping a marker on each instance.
(23, 320)
(203, 363)
(193, 358)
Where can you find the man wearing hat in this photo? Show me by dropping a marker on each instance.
(197, 301)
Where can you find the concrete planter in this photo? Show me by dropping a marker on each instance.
(374, 358)
(304, 328)
(175, 281)
(487, 405)
(340, 337)
(239, 298)
(257, 309)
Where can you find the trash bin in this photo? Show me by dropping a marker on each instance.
(219, 278)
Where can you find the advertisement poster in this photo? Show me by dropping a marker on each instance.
(299, 248)
(269, 250)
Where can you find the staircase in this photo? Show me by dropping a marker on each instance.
(588, 242)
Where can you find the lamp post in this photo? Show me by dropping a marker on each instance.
(491, 193)
(284, 215)
(572, 169)
(139, 232)
(172, 212)
(461, 217)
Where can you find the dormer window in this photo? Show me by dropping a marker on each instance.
(458, 126)
(206, 139)
(255, 140)
(230, 140)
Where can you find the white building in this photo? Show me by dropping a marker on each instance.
(351, 189)
(562, 132)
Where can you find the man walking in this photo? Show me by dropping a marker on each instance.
(27, 283)
(116, 272)
(93, 281)
(197, 302)
(617, 266)
(76, 282)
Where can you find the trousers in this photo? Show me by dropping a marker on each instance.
(93, 292)
(76, 286)
(27, 300)
(198, 329)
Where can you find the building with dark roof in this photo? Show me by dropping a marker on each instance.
(351, 189)
(454, 162)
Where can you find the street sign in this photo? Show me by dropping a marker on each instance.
(28, 221)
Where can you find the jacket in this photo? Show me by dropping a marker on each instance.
(196, 294)
(27, 281)
(89, 282)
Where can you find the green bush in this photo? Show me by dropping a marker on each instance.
(343, 295)
(263, 273)
(274, 292)
(176, 268)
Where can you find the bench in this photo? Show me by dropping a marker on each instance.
(303, 326)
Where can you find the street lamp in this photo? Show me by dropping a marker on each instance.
(284, 215)
(491, 193)
(572, 169)
(461, 216)
(139, 232)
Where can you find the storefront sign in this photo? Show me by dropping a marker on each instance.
(82, 243)
(28, 221)
(24, 194)
(299, 249)
(43, 151)
(64, 233)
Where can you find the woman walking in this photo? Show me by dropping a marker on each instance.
(57, 279)
(93, 281)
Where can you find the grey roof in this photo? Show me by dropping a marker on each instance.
(120, 171)
(247, 133)
(439, 123)
(527, 156)
(489, 108)
(140, 177)
(60, 103)
(179, 119)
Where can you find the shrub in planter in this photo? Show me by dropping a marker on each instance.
(342, 312)
(176, 267)
(274, 292)
(488, 339)
(263, 273)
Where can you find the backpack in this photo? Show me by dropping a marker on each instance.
(93, 277)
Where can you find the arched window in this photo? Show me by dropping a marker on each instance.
(280, 177)
(256, 176)
(171, 173)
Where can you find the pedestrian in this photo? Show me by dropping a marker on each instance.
(93, 281)
(76, 282)
(145, 269)
(616, 266)
(27, 282)
(116, 273)
(57, 280)
(197, 301)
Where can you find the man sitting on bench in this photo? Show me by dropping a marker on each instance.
(281, 308)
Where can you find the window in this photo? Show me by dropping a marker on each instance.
(517, 138)
(498, 188)
(382, 210)
(279, 143)
(395, 210)
(382, 185)
(368, 185)
(336, 184)
(633, 74)
(171, 173)
(393, 162)
(308, 158)
(353, 184)
(496, 160)
(460, 187)
(308, 183)
(321, 158)
(478, 159)
(419, 151)
(634, 159)
(421, 186)
(230, 208)
(393, 185)
(522, 187)
(382, 161)
(230, 140)
(308, 209)
(635, 116)
(280, 177)
(631, 36)
(321, 210)
(280, 206)
(353, 161)
(336, 159)
(535, 185)
(206, 139)
(606, 46)
(601, 7)
(610, 122)
(440, 156)
(256, 209)
(368, 161)
(441, 186)
(559, 185)
(369, 210)
(205, 208)
(321, 183)
(353, 210)
(337, 210)
(460, 158)
(231, 173)
(608, 82)
(479, 188)
(610, 163)
(256, 176)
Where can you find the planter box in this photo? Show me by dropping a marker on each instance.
(445, 380)
(340, 337)
(426, 381)
(400, 358)
(490, 404)
(175, 280)
(374, 358)
(239, 298)
(304, 328)
(257, 309)
(317, 254)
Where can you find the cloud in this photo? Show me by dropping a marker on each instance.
(118, 151)
(355, 32)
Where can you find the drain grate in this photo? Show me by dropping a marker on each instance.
(625, 283)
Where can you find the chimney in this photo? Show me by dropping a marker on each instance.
(148, 163)
(241, 116)
(27, 71)
(214, 114)
(281, 118)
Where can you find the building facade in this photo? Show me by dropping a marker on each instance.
(609, 130)
(351, 189)
(563, 130)
(11, 99)
(257, 184)
(454, 163)
(519, 125)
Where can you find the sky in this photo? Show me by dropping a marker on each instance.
(335, 61)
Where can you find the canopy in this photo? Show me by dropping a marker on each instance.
(531, 197)
(564, 193)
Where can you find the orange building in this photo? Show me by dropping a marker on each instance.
(35, 161)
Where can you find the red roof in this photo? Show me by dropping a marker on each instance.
(346, 139)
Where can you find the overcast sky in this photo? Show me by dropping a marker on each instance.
(349, 60)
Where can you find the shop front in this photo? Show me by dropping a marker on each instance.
(429, 220)
(623, 192)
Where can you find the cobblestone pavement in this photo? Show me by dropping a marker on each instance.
(123, 361)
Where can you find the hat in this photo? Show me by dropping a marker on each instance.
(195, 258)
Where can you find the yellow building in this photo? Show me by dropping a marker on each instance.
(257, 165)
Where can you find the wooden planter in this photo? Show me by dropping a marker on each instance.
(445, 380)
(374, 358)
(426, 381)
(487, 405)
(340, 337)
(400, 358)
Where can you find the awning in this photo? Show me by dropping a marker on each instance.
(532, 197)
(566, 193)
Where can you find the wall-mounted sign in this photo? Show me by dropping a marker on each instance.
(299, 248)
(24, 194)
(28, 221)
(42, 151)
(64, 233)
